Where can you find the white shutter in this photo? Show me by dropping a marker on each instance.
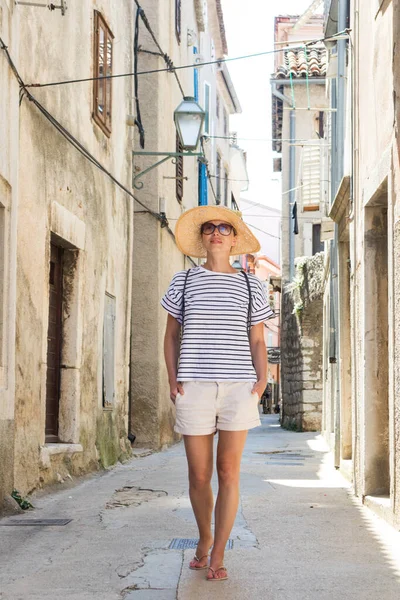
(310, 177)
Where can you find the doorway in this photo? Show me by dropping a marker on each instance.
(54, 339)
(376, 356)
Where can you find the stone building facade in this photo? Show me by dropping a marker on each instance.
(301, 346)
(299, 103)
(72, 289)
(362, 400)
(189, 31)
(9, 128)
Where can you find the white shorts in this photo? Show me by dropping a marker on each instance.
(210, 405)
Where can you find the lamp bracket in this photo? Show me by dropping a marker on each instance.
(63, 6)
(136, 183)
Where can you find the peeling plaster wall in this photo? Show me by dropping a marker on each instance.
(374, 244)
(156, 256)
(9, 130)
(62, 193)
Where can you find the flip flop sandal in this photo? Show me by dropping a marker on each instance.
(199, 560)
(213, 578)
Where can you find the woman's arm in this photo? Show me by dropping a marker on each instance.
(259, 356)
(171, 354)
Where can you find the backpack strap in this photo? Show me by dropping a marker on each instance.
(183, 300)
(250, 303)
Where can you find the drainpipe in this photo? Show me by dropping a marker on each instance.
(340, 132)
(292, 173)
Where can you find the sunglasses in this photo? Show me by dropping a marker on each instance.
(223, 228)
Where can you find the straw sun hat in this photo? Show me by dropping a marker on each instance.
(188, 230)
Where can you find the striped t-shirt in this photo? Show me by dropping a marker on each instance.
(215, 344)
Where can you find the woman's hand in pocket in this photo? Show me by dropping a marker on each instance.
(175, 389)
(258, 388)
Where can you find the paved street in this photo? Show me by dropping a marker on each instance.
(299, 534)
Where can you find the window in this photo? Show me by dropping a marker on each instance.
(218, 179)
(310, 178)
(207, 97)
(179, 171)
(54, 341)
(102, 88)
(225, 188)
(317, 245)
(178, 20)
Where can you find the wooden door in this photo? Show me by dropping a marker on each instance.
(54, 344)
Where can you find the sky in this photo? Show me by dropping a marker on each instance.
(250, 29)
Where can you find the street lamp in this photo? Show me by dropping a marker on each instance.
(189, 119)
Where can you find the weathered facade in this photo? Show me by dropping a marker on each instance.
(9, 128)
(301, 346)
(187, 31)
(298, 107)
(362, 396)
(75, 237)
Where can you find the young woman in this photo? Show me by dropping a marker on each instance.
(217, 366)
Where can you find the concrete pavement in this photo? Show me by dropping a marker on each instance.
(299, 534)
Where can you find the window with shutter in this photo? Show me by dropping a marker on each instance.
(103, 63)
(179, 171)
(310, 178)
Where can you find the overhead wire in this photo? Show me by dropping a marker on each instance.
(168, 61)
(77, 145)
(174, 68)
(138, 117)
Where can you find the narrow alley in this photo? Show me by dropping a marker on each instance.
(299, 535)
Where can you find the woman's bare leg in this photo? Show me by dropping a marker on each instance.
(229, 455)
(199, 453)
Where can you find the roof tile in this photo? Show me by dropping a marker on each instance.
(302, 62)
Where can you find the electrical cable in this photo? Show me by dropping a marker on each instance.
(174, 68)
(262, 231)
(138, 118)
(234, 138)
(165, 56)
(78, 146)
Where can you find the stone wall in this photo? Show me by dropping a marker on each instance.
(301, 346)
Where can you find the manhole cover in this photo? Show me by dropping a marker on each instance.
(186, 544)
(36, 522)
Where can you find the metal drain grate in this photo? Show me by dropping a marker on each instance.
(286, 464)
(186, 544)
(36, 522)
